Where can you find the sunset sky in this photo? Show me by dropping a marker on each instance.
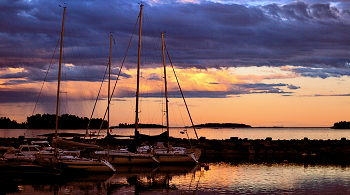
(261, 63)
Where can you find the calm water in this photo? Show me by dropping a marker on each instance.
(221, 178)
(209, 133)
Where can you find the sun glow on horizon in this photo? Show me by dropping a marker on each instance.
(309, 102)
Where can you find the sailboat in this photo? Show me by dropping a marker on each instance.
(163, 154)
(122, 156)
(87, 164)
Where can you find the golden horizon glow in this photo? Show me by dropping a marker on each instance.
(314, 101)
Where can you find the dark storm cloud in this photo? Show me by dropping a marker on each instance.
(272, 35)
(225, 34)
(72, 73)
(24, 95)
(30, 30)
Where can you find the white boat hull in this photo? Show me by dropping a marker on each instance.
(127, 158)
(173, 155)
(131, 159)
(176, 158)
(90, 165)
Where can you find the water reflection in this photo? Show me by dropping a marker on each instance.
(286, 133)
(127, 180)
(221, 178)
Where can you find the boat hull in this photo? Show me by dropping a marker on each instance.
(28, 171)
(90, 165)
(131, 159)
(126, 158)
(175, 158)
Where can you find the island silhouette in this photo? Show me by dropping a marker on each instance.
(341, 125)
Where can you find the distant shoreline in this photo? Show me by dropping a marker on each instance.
(225, 125)
(46, 121)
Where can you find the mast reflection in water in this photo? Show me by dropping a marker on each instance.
(221, 178)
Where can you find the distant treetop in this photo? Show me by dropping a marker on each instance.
(6, 123)
(140, 125)
(222, 125)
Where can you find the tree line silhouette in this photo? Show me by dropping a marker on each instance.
(48, 121)
(341, 125)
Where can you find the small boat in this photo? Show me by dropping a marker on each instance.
(23, 153)
(73, 162)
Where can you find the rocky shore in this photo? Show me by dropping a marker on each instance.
(269, 150)
(234, 149)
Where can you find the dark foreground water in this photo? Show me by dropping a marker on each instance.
(221, 178)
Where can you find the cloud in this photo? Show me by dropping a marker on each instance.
(196, 94)
(154, 76)
(303, 12)
(236, 89)
(322, 72)
(293, 87)
(263, 88)
(328, 95)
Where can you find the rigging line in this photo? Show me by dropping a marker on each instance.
(93, 110)
(183, 97)
(47, 72)
(154, 59)
(172, 110)
(81, 59)
(118, 76)
(124, 58)
(64, 83)
(178, 107)
(161, 69)
(154, 40)
(173, 95)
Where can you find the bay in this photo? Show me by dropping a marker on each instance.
(223, 177)
(286, 133)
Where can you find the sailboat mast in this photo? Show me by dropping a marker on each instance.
(59, 79)
(138, 73)
(165, 87)
(109, 80)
